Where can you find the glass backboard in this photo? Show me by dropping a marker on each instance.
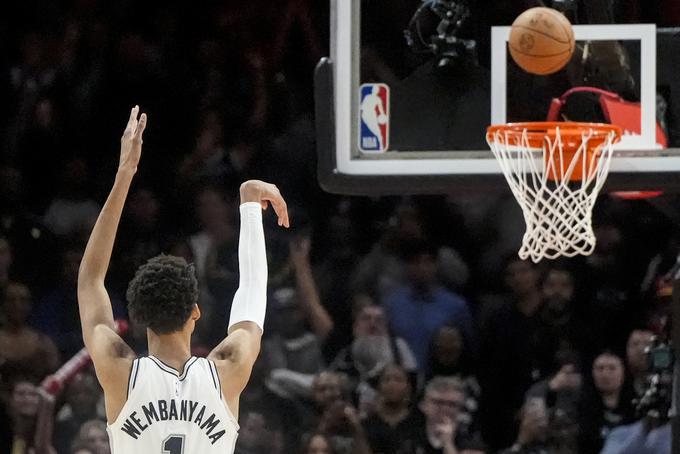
(404, 100)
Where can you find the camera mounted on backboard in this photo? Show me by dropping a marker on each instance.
(436, 28)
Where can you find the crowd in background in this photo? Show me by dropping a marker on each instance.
(401, 325)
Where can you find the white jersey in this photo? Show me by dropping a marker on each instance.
(171, 413)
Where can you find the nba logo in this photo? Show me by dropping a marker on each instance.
(374, 117)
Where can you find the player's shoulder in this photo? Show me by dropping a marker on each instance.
(107, 345)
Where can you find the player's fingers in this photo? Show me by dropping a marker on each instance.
(284, 208)
(133, 118)
(280, 209)
(283, 216)
(141, 125)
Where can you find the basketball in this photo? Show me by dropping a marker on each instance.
(541, 41)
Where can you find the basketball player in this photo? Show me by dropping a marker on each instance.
(373, 114)
(171, 402)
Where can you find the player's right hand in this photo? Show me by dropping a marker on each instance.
(131, 142)
(265, 194)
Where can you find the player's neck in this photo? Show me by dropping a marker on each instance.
(173, 349)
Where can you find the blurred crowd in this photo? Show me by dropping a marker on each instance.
(402, 325)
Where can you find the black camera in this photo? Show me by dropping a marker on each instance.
(437, 28)
(655, 403)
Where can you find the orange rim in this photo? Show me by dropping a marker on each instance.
(536, 131)
(571, 135)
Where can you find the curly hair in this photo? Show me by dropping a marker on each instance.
(163, 293)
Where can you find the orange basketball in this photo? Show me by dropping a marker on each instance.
(541, 40)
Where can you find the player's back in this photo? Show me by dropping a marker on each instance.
(173, 413)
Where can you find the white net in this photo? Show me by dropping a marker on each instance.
(556, 183)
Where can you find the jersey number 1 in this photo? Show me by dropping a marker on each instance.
(174, 444)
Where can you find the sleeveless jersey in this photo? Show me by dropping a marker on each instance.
(171, 413)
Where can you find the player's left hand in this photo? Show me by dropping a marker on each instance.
(265, 194)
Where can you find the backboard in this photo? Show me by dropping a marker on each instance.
(395, 118)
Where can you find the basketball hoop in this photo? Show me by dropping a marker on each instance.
(555, 171)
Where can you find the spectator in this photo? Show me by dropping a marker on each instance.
(139, 237)
(215, 218)
(24, 350)
(24, 404)
(611, 309)
(31, 414)
(336, 262)
(39, 155)
(93, 437)
(258, 398)
(642, 437)
(317, 316)
(317, 443)
(294, 351)
(218, 230)
(72, 211)
(382, 271)
(533, 430)
(82, 397)
(342, 424)
(560, 393)
(448, 354)
(221, 280)
(510, 344)
(30, 240)
(327, 388)
(258, 436)
(372, 348)
(32, 75)
(392, 418)
(606, 403)
(450, 358)
(658, 312)
(207, 160)
(636, 358)
(561, 328)
(441, 430)
(57, 312)
(417, 310)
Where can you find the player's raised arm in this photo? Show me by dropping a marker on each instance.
(93, 300)
(96, 315)
(235, 355)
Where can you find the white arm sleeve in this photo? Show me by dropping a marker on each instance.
(250, 300)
